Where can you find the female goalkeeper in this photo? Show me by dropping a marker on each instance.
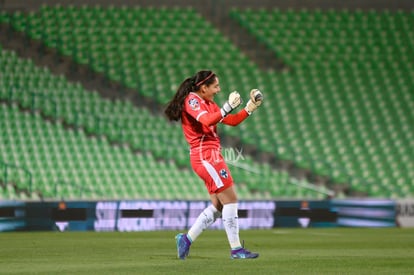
(194, 105)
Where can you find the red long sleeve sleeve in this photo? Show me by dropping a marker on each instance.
(236, 119)
(230, 119)
(209, 119)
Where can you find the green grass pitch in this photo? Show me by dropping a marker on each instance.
(282, 251)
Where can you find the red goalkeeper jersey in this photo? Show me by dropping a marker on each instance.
(199, 121)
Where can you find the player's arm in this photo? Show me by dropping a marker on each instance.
(209, 119)
(235, 119)
(254, 102)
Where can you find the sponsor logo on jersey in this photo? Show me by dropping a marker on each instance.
(194, 104)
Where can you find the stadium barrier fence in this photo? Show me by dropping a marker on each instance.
(150, 215)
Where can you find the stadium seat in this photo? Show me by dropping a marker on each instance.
(339, 74)
(324, 118)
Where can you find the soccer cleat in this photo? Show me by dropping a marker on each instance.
(183, 246)
(242, 253)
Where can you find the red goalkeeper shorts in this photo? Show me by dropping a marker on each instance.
(210, 166)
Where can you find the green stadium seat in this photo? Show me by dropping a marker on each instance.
(324, 110)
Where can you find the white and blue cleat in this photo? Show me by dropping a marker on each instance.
(242, 253)
(183, 246)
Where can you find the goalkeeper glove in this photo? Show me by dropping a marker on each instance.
(232, 103)
(256, 98)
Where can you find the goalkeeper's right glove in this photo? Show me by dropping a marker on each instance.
(232, 103)
(256, 98)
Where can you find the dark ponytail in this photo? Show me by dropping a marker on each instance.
(175, 106)
(191, 84)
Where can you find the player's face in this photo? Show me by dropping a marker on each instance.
(209, 91)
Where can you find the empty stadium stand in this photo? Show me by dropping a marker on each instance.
(344, 110)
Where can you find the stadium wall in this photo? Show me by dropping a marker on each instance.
(150, 215)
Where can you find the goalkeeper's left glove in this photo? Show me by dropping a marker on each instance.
(256, 98)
